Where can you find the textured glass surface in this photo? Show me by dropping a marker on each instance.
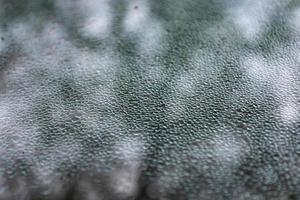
(149, 99)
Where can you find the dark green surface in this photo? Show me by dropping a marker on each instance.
(157, 99)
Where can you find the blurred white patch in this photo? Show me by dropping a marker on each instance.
(98, 18)
(130, 150)
(248, 24)
(228, 149)
(89, 191)
(49, 45)
(21, 31)
(51, 158)
(149, 31)
(137, 15)
(95, 27)
(53, 34)
(92, 18)
(204, 68)
(252, 17)
(280, 74)
(256, 67)
(285, 88)
(98, 65)
(176, 108)
(290, 112)
(48, 181)
(294, 20)
(184, 87)
(186, 84)
(124, 179)
(172, 173)
(18, 140)
(152, 39)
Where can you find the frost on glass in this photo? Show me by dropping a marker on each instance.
(149, 99)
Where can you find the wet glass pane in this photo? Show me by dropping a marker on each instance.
(149, 99)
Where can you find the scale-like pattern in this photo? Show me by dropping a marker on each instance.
(149, 99)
